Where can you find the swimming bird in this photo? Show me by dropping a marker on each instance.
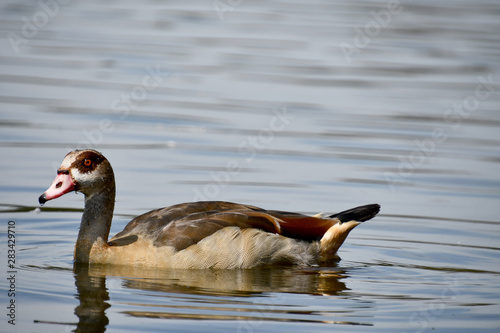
(206, 234)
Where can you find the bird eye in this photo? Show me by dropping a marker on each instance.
(87, 162)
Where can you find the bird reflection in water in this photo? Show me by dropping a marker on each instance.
(227, 287)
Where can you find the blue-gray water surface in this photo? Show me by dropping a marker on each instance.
(309, 107)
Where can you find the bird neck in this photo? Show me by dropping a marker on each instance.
(96, 221)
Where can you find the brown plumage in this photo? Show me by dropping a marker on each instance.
(210, 234)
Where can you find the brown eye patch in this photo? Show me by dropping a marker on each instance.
(88, 161)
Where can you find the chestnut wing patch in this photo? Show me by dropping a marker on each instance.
(191, 229)
(309, 228)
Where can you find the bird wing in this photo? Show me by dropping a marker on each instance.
(183, 225)
(192, 228)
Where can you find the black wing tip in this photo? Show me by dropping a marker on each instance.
(360, 214)
(123, 240)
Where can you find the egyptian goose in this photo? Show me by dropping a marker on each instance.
(210, 234)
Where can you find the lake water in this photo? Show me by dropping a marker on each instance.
(309, 107)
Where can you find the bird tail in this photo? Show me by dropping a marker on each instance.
(360, 214)
(336, 235)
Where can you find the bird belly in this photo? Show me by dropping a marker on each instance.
(227, 248)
